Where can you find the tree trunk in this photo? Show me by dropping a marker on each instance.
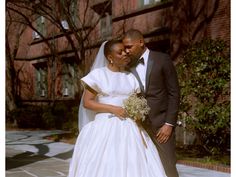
(10, 99)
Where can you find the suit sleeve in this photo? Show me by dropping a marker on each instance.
(173, 91)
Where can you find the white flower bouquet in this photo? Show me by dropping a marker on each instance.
(136, 107)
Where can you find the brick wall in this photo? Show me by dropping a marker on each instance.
(194, 20)
(219, 27)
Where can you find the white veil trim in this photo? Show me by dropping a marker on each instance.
(85, 115)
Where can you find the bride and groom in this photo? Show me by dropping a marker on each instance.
(110, 144)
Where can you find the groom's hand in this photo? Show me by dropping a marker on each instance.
(164, 133)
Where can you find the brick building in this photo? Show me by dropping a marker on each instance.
(167, 26)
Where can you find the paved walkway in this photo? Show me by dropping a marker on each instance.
(29, 155)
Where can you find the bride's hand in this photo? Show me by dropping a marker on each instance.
(119, 112)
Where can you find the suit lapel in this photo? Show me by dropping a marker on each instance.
(149, 69)
(133, 70)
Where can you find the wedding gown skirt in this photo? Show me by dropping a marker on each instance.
(110, 147)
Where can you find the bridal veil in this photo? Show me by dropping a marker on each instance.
(85, 115)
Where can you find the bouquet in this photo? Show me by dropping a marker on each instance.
(136, 107)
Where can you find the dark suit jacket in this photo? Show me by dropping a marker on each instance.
(162, 90)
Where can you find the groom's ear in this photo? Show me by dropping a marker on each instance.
(141, 41)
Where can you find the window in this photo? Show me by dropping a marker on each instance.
(106, 26)
(40, 26)
(66, 12)
(41, 82)
(68, 79)
(73, 10)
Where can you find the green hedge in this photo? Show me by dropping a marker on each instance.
(204, 76)
(61, 115)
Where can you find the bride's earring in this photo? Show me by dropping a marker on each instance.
(111, 61)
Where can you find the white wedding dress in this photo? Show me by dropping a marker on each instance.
(109, 146)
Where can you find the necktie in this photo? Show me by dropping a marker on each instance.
(141, 61)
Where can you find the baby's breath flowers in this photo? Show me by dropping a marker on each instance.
(136, 107)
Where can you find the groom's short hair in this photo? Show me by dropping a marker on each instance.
(133, 34)
(108, 47)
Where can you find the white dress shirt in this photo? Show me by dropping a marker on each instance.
(142, 68)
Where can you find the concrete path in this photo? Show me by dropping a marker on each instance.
(29, 155)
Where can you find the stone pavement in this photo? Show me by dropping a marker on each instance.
(29, 155)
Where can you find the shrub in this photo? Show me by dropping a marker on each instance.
(60, 110)
(72, 121)
(28, 116)
(49, 119)
(204, 75)
(61, 115)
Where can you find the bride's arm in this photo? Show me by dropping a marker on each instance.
(91, 103)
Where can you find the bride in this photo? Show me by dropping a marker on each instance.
(110, 144)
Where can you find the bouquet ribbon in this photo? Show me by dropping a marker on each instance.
(140, 127)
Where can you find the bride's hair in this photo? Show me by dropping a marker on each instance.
(108, 47)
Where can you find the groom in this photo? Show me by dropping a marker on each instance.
(158, 81)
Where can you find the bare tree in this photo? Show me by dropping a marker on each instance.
(189, 22)
(16, 25)
(80, 22)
